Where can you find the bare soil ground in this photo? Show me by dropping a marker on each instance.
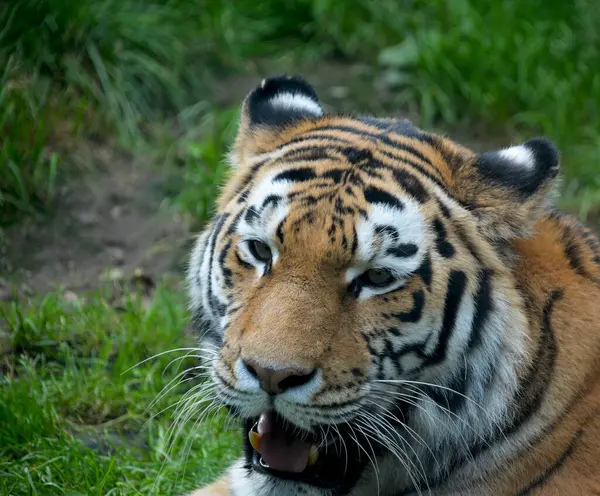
(107, 225)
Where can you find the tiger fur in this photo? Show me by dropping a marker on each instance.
(473, 369)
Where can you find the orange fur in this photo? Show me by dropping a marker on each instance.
(301, 314)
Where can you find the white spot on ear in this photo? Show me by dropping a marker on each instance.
(519, 155)
(296, 101)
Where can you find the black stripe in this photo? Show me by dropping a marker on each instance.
(354, 245)
(411, 185)
(250, 176)
(443, 246)
(357, 156)
(415, 313)
(483, 306)
(462, 235)
(305, 218)
(592, 244)
(215, 306)
(401, 127)
(457, 283)
(371, 172)
(296, 175)
(243, 196)
(534, 385)
(550, 471)
(319, 151)
(377, 137)
(234, 223)
(251, 215)
(342, 209)
(227, 274)
(335, 174)
(270, 200)
(453, 398)
(242, 262)
(376, 195)
(403, 250)
(425, 271)
(390, 231)
(318, 154)
(443, 208)
(419, 168)
(318, 136)
(574, 255)
(279, 231)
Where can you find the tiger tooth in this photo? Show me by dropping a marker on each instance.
(313, 456)
(254, 438)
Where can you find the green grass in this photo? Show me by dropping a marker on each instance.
(27, 169)
(523, 67)
(200, 156)
(74, 415)
(76, 67)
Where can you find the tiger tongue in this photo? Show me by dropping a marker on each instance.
(278, 450)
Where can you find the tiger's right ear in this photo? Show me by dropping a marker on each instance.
(268, 111)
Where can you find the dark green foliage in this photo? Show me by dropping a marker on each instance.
(524, 67)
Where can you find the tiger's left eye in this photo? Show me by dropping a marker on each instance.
(377, 278)
(260, 251)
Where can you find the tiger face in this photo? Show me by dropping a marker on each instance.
(355, 297)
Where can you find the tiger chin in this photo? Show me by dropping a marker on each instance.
(389, 313)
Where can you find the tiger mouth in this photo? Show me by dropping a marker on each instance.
(279, 449)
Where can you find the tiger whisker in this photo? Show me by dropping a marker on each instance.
(373, 462)
(392, 447)
(158, 355)
(414, 435)
(449, 413)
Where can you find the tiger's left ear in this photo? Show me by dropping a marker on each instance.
(509, 189)
(268, 111)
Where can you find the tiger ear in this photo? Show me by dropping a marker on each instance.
(509, 189)
(270, 109)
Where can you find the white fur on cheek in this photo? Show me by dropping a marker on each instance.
(245, 380)
(372, 248)
(265, 227)
(296, 101)
(194, 289)
(519, 155)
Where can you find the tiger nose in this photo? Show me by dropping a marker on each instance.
(275, 381)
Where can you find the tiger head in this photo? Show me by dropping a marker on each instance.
(355, 285)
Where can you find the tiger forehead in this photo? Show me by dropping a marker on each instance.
(368, 142)
(335, 211)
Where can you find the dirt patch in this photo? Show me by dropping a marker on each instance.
(109, 223)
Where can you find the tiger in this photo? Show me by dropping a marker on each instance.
(387, 312)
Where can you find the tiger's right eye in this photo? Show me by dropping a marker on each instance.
(260, 251)
(377, 278)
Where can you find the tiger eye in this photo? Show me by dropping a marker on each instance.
(260, 250)
(377, 277)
